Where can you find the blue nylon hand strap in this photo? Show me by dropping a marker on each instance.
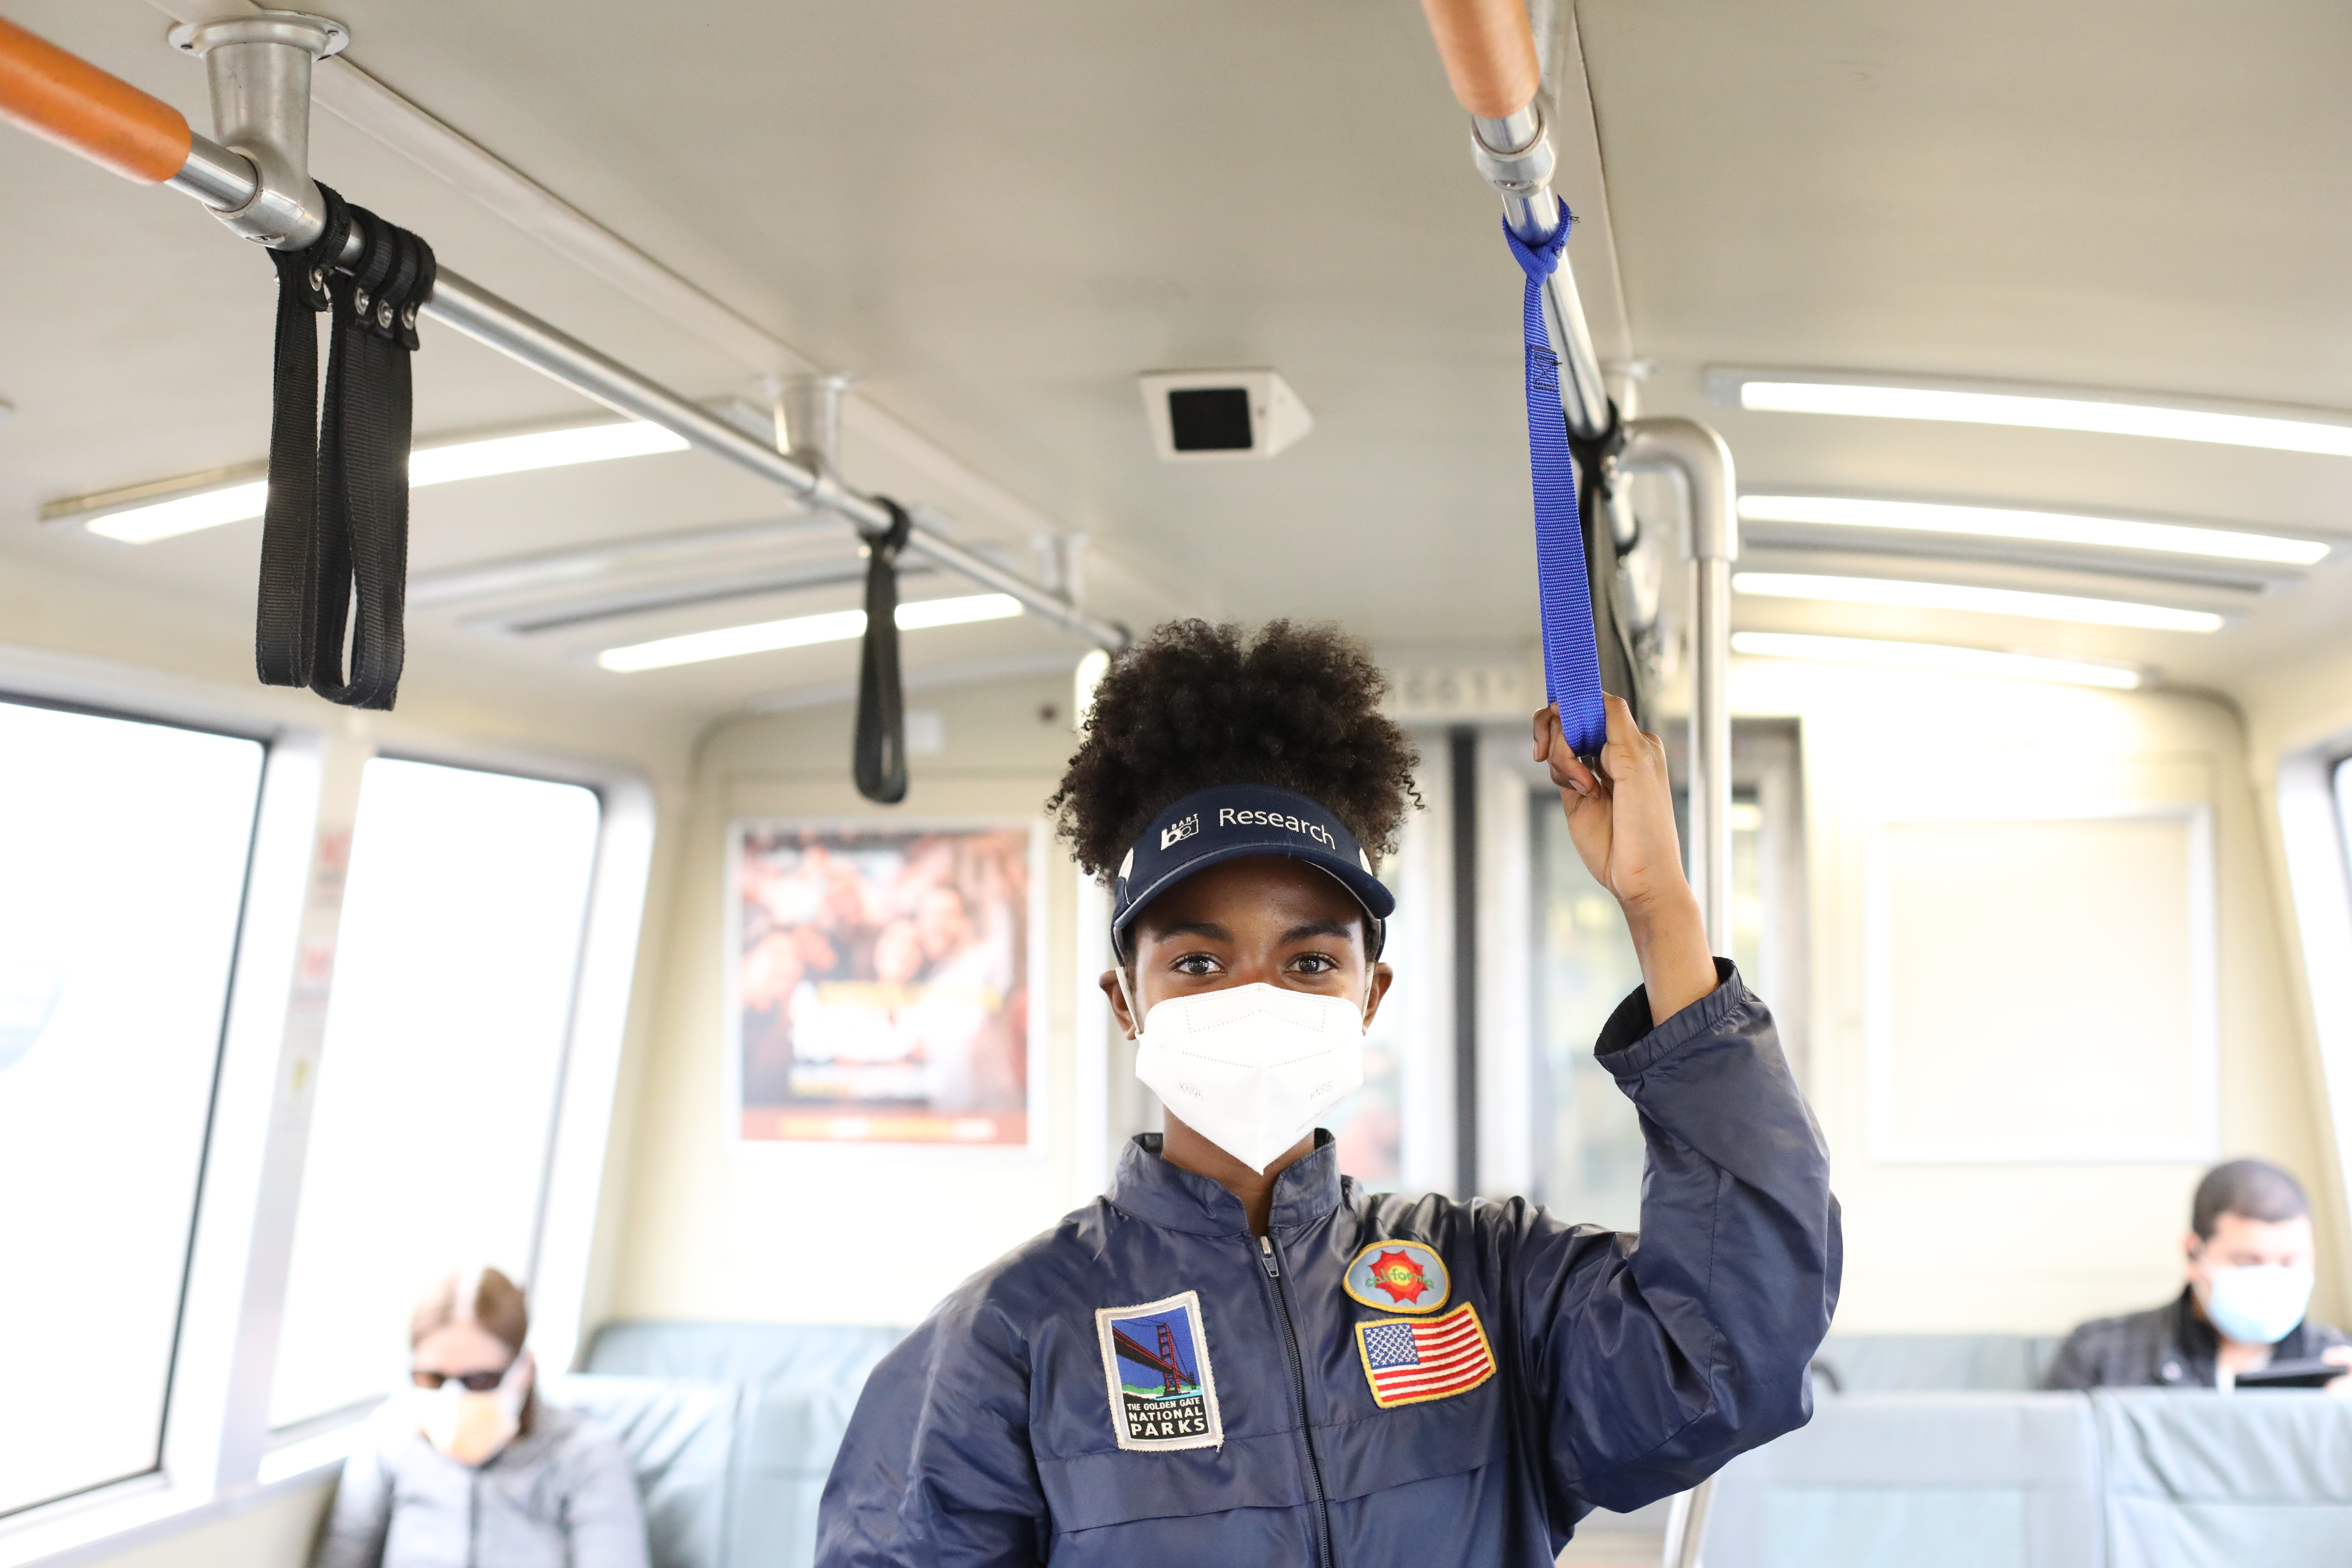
(1563, 585)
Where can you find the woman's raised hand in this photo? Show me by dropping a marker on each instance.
(1623, 818)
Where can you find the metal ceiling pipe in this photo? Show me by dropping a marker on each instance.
(1489, 55)
(1697, 455)
(483, 317)
(64, 99)
(1583, 394)
(215, 176)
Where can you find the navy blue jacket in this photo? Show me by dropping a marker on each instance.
(1604, 1369)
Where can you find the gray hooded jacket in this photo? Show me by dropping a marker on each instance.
(559, 1496)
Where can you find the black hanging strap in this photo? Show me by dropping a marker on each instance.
(282, 611)
(1622, 668)
(335, 537)
(879, 761)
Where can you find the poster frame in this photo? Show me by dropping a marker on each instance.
(1036, 973)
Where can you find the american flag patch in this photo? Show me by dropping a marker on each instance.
(1409, 1360)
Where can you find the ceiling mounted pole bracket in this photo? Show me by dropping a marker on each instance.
(808, 431)
(258, 67)
(808, 420)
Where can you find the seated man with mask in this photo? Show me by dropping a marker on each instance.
(468, 1465)
(2249, 1264)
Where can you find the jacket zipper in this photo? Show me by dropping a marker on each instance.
(1298, 1384)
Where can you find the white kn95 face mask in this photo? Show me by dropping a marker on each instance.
(1251, 1068)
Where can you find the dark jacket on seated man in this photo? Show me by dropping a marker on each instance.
(2248, 1257)
(2171, 1346)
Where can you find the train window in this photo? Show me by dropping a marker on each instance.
(1370, 1124)
(443, 1057)
(1587, 1146)
(123, 848)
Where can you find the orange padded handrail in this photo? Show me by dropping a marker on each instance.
(1489, 53)
(64, 99)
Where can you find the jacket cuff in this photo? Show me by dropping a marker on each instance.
(1632, 1040)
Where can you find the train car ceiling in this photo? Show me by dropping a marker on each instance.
(1904, 259)
(1816, 219)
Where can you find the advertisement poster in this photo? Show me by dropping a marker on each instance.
(881, 987)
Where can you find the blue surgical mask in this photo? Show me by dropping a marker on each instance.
(2257, 1305)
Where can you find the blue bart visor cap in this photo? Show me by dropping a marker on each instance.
(1212, 825)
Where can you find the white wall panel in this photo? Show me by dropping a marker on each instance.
(2041, 988)
(2042, 1236)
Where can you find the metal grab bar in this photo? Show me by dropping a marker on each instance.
(483, 316)
(1687, 449)
(1687, 1525)
(64, 99)
(1490, 60)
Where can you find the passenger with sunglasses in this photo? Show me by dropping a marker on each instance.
(468, 1465)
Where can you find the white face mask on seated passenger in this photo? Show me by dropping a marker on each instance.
(1251, 1068)
(472, 1425)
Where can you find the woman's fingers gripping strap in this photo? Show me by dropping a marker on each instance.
(1552, 750)
(1623, 730)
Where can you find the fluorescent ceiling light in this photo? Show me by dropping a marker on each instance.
(182, 514)
(1982, 601)
(539, 449)
(804, 631)
(2055, 409)
(2040, 527)
(1938, 657)
(426, 466)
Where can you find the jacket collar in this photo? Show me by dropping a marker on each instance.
(2194, 1337)
(1157, 1192)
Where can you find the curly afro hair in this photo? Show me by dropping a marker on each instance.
(1195, 705)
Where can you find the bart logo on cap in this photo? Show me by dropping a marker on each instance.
(1229, 821)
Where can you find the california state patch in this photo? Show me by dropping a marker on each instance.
(1399, 1277)
(1163, 1392)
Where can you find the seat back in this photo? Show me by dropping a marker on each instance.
(795, 1388)
(1934, 1481)
(681, 1440)
(1906, 1364)
(2201, 1480)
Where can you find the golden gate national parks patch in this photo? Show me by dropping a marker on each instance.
(1164, 1395)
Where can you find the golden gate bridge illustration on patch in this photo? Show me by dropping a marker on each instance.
(1156, 1362)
